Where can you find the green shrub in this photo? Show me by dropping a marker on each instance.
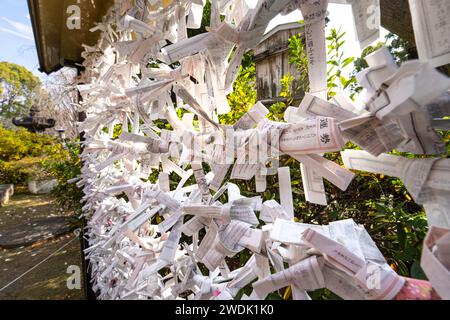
(68, 194)
(16, 145)
(25, 155)
(243, 96)
(12, 172)
(21, 154)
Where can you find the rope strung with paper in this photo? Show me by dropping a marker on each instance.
(185, 255)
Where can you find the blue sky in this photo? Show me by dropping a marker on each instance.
(16, 35)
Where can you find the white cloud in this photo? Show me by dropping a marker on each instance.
(15, 33)
(19, 29)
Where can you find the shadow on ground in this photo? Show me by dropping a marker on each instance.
(38, 228)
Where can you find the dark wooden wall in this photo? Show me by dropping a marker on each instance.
(271, 58)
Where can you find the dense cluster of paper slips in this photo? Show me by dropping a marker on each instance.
(164, 90)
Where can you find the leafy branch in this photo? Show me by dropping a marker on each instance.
(337, 63)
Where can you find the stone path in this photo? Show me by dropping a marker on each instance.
(22, 235)
(32, 227)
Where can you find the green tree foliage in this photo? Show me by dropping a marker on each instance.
(244, 94)
(287, 91)
(16, 145)
(21, 154)
(400, 49)
(299, 59)
(17, 86)
(337, 62)
(25, 155)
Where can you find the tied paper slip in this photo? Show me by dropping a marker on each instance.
(271, 210)
(366, 15)
(315, 106)
(346, 231)
(226, 244)
(314, 13)
(284, 180)
(431, 30)
(398, 97)
(327, 169)
(313, 186)
(434, 174)
(285, 231)
(247, 121)
(313, 135)
(311, 106)
(388, 283)
(345, 273)
(306, 274)
(312, 181)
(401, 89)
(436, 209)
(435, 265)
(193, 45)
(426, 179)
